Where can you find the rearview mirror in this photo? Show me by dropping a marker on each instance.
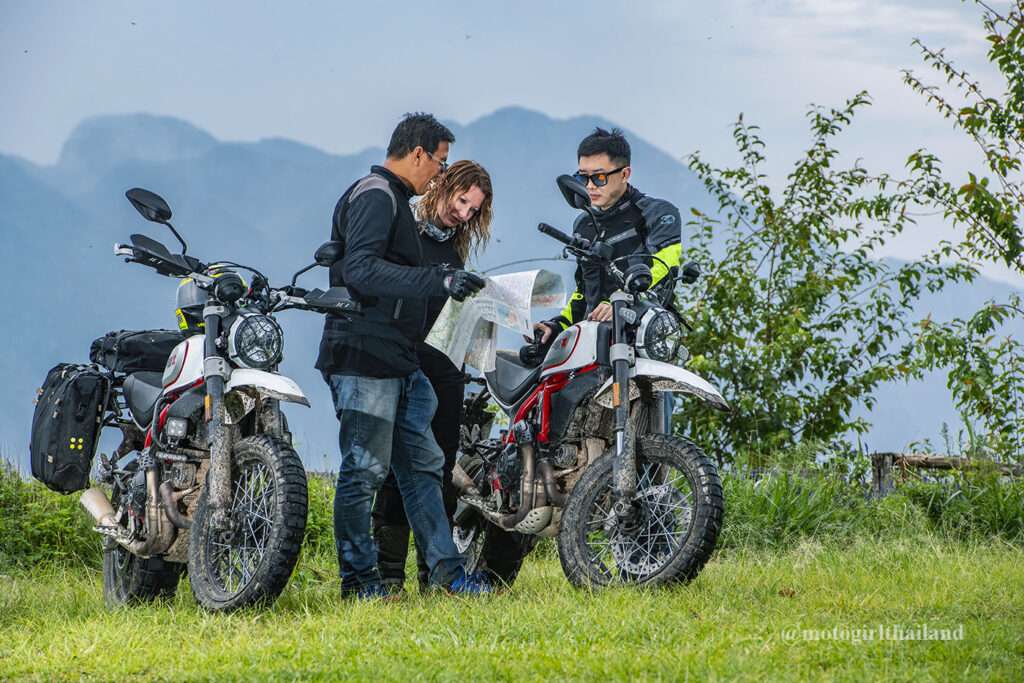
(151, 205)
(574, 192)
(690, 273)
(329, 253)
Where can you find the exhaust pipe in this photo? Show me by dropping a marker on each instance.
(160, 532)
(170, 499)
(96, 504)
(528, 492)
(463, 482)
(547, 473)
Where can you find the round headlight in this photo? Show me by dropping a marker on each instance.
(659, 336)
(255, 341)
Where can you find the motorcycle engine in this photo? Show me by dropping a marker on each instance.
(133, 499)
(508, 471)
(564, 456)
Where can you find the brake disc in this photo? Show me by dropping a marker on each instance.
(658, 531)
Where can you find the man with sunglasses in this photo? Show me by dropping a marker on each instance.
(628, 220)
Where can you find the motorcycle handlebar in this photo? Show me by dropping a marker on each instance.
(554, 232)
(335, 300)
(162, 263)
(568, 240)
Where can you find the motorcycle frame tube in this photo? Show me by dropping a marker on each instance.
(541, 396)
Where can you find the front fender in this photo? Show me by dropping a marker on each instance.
(267, 384)
(666, 377)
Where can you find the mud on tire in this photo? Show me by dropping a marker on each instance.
(589, 561)
(129, 579)
(497, 552)
(269, 505)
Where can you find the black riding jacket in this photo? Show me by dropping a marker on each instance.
(636, 224)
(385, 269)
(439, 250)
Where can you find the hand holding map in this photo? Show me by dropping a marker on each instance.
(467, 331)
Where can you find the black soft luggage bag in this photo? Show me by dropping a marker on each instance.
(131, 351)
(66, 426)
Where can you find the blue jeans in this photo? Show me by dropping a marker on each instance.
(385, 423)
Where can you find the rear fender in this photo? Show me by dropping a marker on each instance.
(666, 377)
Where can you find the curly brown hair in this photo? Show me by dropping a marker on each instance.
(460, 177)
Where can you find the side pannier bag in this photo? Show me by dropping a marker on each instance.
(66, 426)
(131, 351)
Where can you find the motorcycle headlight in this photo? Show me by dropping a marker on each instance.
(255, 341)
(659, 336)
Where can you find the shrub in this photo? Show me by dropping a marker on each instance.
(40, 526)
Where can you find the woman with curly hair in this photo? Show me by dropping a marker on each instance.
(455, 222)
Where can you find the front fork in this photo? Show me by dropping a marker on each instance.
(624, 476)
(216, 372)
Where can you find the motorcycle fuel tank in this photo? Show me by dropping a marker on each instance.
(575, 348)
(185, 364)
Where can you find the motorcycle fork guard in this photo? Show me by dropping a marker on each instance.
(219, 481)
(220, 469)
(624, 478)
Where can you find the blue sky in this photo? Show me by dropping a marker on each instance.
(337, 75)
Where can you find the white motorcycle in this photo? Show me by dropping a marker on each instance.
(215, 483)
(589, 457)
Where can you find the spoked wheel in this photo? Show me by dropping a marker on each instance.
(495, 551)
(469, 541)
(251, 561)
(676, 516)
(129, 579)
(486, 547)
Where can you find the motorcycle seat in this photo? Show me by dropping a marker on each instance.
(141, 390)
(510, 380)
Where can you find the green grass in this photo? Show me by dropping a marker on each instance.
(734, 621)
(801, 550)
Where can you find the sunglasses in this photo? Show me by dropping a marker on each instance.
(442, 164)
(599, 179)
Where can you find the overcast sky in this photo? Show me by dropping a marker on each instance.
(337, 75)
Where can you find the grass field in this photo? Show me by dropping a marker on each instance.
(752, 614)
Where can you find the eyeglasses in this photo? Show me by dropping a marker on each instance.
(442, 164)
(599, 179)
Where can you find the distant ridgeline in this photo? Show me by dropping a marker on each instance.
(269, 203)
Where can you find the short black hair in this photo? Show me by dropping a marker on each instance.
(418, 130)
(613, 143)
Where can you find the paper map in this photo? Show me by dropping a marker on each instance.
(467, 331)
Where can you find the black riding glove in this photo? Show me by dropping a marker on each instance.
(531, 355)
(461, 284)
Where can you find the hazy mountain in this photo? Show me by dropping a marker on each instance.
(269, 203)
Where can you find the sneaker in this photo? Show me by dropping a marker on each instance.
(476, 583)
(373, 592)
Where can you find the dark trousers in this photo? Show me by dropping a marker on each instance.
(503, 552)
(384, 425)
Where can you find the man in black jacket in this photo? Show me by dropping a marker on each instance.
(628, 220)
(383, 401)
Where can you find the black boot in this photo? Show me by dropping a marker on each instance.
(390, 534)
